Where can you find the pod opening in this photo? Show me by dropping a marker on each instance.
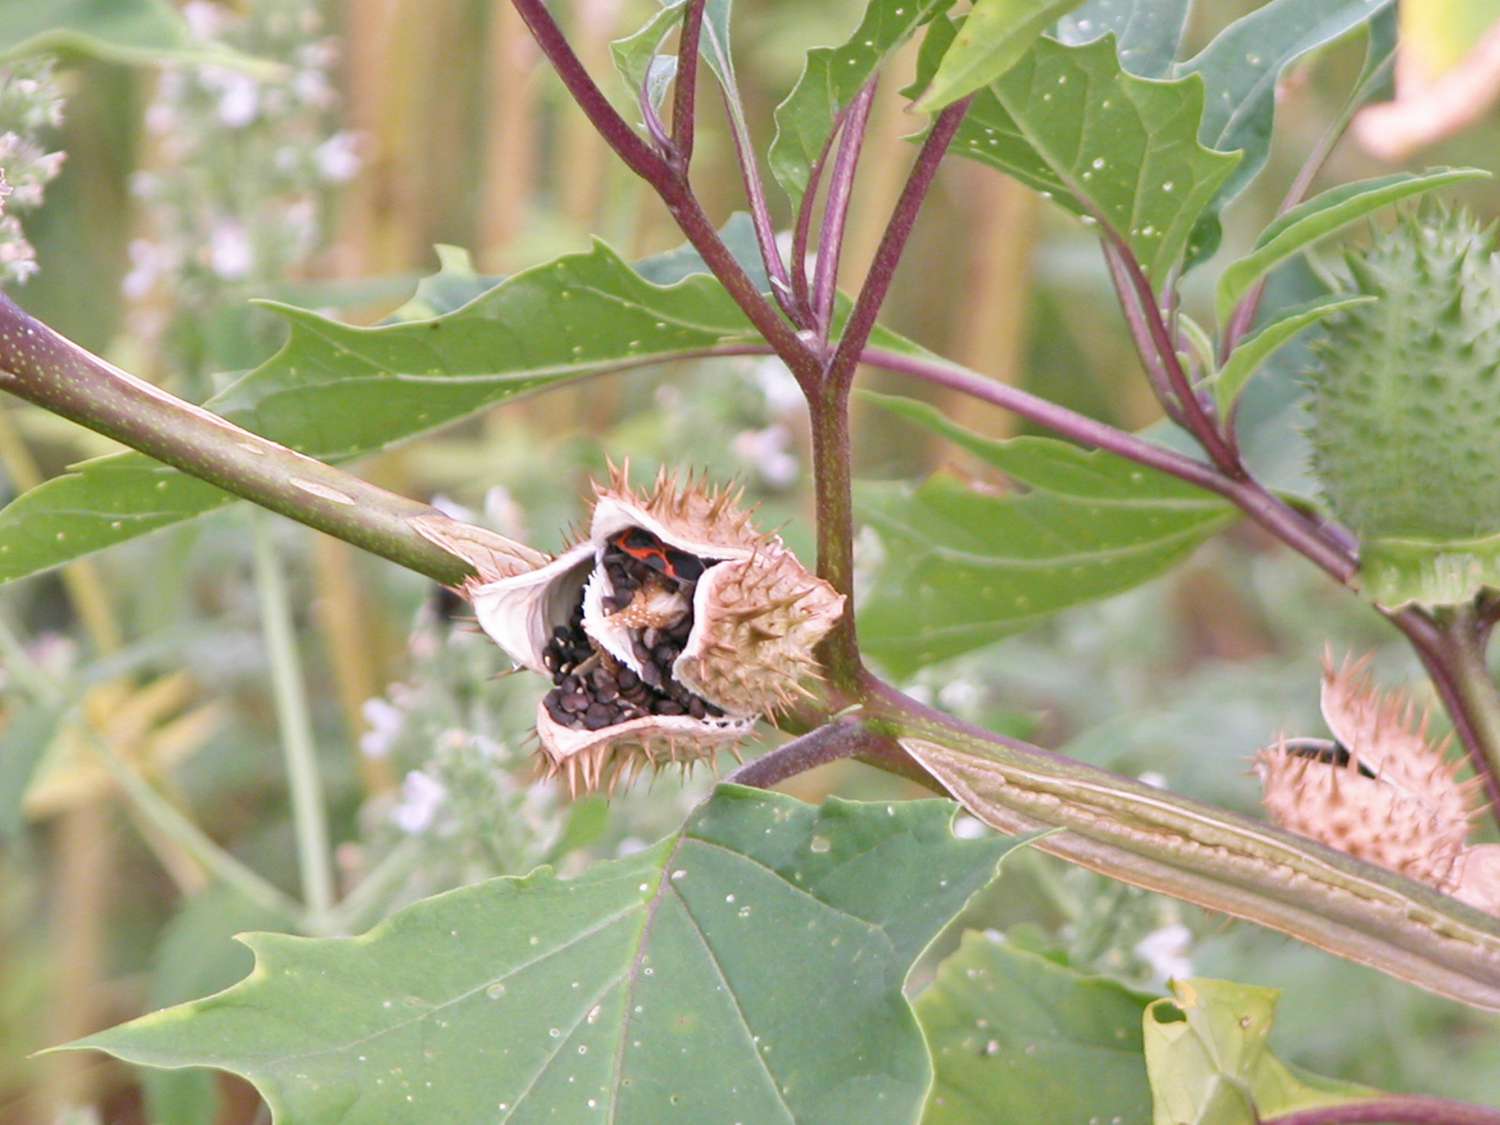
(644, 588)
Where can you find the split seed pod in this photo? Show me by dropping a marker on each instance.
(667, 630)
(1384, 791)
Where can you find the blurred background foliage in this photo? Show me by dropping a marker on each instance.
(396, 125)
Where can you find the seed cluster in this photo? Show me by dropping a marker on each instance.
(592, 689)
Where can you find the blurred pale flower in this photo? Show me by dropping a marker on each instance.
(1166, 952)
(230, 254)
(385, 721)
(421, 798)
(767, 452)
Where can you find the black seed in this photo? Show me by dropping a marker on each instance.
(696, 708)
(668, 707)
(627, 679)
(650, 638)
(597, 717)
(651, 674)
(575, 701)
(571, 684)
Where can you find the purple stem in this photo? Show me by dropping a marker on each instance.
(803, 230)
(1392, 1109)
(653, 120)
(1135, 321)
(673, 188)
(760, 211)
(836, 211)
(888, 254)
(685, 94)
(1277, 517)
(829, 743)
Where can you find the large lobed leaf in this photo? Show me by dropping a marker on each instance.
(337, 391)
(1017, 1039)
(748, 968)
(1117, 149)
(962, 567)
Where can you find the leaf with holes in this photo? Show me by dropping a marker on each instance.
(1116, 149)
(1016, 1037)
(337, 391)
(960, 567)
(129, 31)
(672, 985)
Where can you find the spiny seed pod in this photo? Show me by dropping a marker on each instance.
(1405, 405)
(667, 630)
(1383, 791)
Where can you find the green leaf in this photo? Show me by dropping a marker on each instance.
(751, 964)
(1246, 359)
(1017, 1038)
(992, 40)
(1106, 145)
(830, 80)
(1398, 570)
(128, 31)
(1147, 32)
(1210, 1063)
(1321, 216)
(194, 957)
(337, 391)
(1240, 69)
(961, 567)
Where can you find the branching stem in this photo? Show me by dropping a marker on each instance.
(836, 210)
(1392, 1109)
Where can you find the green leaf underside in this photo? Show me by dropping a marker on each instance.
(1147, 32)
(693, 980)
(1321, 216)
(1240, 69)
(1210, 1064)
(1100, 142)
(830, 79)
(1253, 351)
(337, 391)
(961, 568)
(1018, 1038)
(992, 40)
(130, 31)
(1432, 572)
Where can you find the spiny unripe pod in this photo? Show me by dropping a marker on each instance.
(1405, 407)
(668, 629)
(1384, 792)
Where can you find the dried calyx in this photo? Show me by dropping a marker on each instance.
(666, 632)
(1383, 791)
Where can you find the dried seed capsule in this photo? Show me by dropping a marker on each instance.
(702, 625)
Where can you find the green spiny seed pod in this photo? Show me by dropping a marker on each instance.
(1406, 405)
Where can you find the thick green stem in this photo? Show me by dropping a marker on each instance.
(315, 860)
(44, 368)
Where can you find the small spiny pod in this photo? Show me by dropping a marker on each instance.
(667, 630)
(1384, 791)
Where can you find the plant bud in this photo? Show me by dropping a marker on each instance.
(666, 631)
(1383, 792)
